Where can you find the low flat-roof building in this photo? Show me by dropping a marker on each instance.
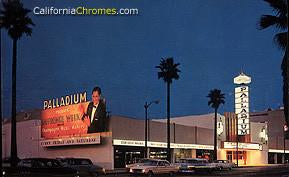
(191, 136)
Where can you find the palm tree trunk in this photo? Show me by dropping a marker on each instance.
(168, 124)
(13, 117)
(1, 83)
(215, 135)
(285, 74)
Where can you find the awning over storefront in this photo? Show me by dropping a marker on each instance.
(243, 146)
(160, 144)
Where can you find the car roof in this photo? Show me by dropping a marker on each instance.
(73, 158)
(38, 159)
(158, 160)
(193, 159)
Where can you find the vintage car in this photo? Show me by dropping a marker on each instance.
(191, 165)
(223, 164)
(139, 162)
(151, 167)
(84, 166)
(35, 167)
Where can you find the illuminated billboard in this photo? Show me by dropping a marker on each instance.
(74, 115)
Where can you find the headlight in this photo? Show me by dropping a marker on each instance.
(77, 174)
(103, 170)
(130, 170)
(3, 173)
(143, 170)
(126, 166)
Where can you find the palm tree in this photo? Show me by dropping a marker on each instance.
(216, 99)
(1, 84)
(168, 70)
(14, 18)
(279, 21)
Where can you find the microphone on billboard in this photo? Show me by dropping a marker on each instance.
(84, 115)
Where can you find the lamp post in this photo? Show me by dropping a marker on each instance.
(284, 143)
(146, 106)
(237, 142)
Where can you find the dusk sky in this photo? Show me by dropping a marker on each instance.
(212, 41)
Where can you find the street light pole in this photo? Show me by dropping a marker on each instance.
(146, 130)
(237, 142)
(146, 106)
(284, 143)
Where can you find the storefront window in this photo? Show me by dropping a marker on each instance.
(127, 155)
(158, 153)
(182, 153)
(279, 158)
(271, 158)
(202, 153)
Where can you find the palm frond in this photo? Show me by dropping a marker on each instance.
(279, 6)
(270, 20)
(14, 18)
(281, 40)
(216, 98)
(168, 70)
(278, 20)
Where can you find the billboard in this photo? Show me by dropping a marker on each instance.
(74, 116)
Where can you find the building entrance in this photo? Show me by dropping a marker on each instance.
(242, 157)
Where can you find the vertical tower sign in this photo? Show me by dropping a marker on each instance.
(242, 103)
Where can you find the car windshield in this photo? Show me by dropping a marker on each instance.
(143, 160)
(45, 163)
(182, 161)
(188, 161)
(82, 162)
(150, 163)
(52, 163)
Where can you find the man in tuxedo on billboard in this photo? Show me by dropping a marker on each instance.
(96, 113)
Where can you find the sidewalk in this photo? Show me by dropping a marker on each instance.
(124, 170)
(262, 165)
(117, 171)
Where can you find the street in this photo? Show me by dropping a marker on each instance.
(268, 171)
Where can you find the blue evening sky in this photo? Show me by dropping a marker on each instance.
(212, 40)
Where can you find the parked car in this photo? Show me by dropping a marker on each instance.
(191, 165)
(85, 167)
(140, 162)
(6, 162)
(223, 164)
(153, 166)
(39, 167)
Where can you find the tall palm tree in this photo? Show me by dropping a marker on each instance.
(279, 21)
(168, 71)
(14, 18)
(216, 99)
(1, 83)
